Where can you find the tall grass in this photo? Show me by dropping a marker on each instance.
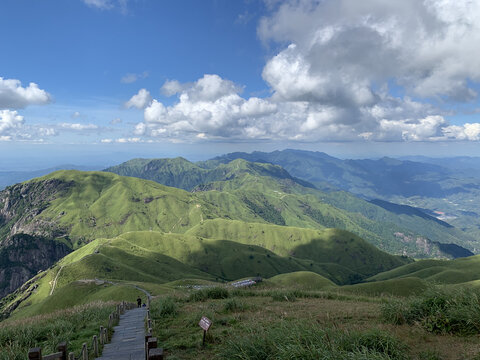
(163, 308)
(75, 325)
(209, 293)
(306, 342)
(438, 310)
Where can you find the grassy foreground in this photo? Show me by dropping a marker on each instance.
(76, 325)
(275, 323)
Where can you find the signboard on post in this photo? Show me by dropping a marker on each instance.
(205, 323)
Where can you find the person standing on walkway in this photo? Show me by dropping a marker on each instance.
(139, 302)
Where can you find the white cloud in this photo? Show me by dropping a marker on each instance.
(78, 127)
(10, 121)
(106, 141)
(131, 78)
(139, 100)
(464, 132)
(211, 105)
(121, 5)
(14, 96)
(332, 82)
(100, 4)
(425, 45)
(76, 115)
(128, 140)
(5, 138)
(172, 87)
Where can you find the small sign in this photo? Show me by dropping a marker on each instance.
(205, 323)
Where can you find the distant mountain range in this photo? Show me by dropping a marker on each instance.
(445, 188)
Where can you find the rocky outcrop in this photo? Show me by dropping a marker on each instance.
(27, 240)
(23, 256)
(21, 204)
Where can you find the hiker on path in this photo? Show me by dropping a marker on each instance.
(139, 302)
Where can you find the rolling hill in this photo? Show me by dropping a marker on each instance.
(150, 259)
(273, 195)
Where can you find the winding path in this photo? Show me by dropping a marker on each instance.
(55, 281)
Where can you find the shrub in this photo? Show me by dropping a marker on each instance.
(163, 308)
(438, 311)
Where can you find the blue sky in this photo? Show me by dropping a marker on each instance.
(115, 79)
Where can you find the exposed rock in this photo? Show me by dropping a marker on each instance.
(23, 256)
(26, 239)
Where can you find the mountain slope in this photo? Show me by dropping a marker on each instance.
(73, 208)
(443, 186)
(264, 192)
(151, 257)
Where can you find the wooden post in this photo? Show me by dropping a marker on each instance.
(204, 336)
(149, 323)
(62, 347)
(84, 351)
(71, 356)
(155, 354)
(151, 344)
(110, 321)
(95, 345)
(147, 336)
(101, 336)
(35, 354)
(105, 336)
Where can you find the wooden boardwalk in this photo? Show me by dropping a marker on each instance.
(128, 341)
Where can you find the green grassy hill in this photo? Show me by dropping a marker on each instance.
(302, 279)
(264, 192)
(148, 258)
(456, 271)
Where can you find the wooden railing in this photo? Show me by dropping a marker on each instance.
(152, 351)
(97, 340)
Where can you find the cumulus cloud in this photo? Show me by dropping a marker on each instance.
(211, 105)
(333, 76)
(464, 132)
(172, 87)
(10, 121)
(425, 45)
(139, 100)
(14, 96)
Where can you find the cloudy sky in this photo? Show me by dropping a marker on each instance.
(113, 79)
